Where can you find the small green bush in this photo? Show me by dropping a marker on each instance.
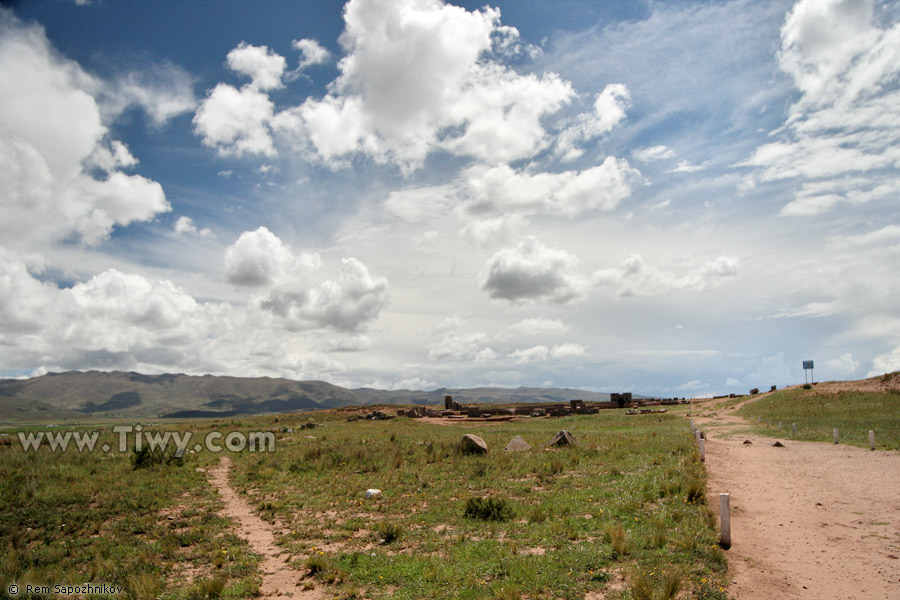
(389, 532)
(145, 457)
(488, 509)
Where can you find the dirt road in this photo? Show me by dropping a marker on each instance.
(280, 581)
(810, 520)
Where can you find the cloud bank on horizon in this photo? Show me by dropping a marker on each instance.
(686, 200)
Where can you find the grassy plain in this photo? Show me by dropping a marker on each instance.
(817, 412)
(627, 501)
(623, 513)
(74, 517)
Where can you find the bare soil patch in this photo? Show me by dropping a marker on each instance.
(474, 422)
(810, 520)
(279, 580)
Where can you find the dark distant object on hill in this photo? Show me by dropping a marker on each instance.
(473, 444)
(621, 400)
(754, 391)
(563, 438)
(375, 415)
(517, 444)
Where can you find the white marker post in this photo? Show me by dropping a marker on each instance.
(702, 450)
(725, 519)
(835, 435)
(871, 439)
(793, 430)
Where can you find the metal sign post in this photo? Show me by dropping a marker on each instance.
(808, 366)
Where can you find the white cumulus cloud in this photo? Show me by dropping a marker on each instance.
(51, 127)
(294, 292)
(532, 271)
(501, 189)
(235, 121)
(264, 67)
(418, 76)
(311, 52)
(185, 225)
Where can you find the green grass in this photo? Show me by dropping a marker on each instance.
(543, 524)
(71, 518)
(540, 524)
(817, 412)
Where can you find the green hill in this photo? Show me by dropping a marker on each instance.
(129, 394)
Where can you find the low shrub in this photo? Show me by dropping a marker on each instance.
(488, 509)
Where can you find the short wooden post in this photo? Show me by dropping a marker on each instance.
(725, 520)
(793, 430)
(702, 450)
(835, 435)
(779, 425)
(871, 439)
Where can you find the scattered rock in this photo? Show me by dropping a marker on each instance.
(373, 493)
(748, 443)
(375, 415)
(778, 445)
(517, 444)
(473, 444)
(563, 438)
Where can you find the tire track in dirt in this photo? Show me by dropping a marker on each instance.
(810, 521)
(279, 580)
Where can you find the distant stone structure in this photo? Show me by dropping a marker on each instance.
(450, 404)
(621, 400)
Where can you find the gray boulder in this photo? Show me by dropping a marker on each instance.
(473, 444)
(517, 444)
(563, 438)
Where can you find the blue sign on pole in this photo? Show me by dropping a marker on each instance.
(808, 366)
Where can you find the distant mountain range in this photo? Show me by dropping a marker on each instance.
(76, 394)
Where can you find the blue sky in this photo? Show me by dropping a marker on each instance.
(674, 198)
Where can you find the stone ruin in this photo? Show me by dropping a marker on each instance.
(563, 438)
(375, 415)
(455, 410)
(620, 400)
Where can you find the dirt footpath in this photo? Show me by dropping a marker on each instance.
(280, 581)
(809, 521)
